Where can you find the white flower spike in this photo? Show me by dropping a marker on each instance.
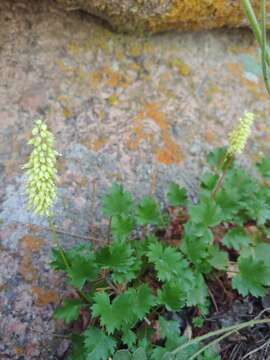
(239, 136)
(41, 170)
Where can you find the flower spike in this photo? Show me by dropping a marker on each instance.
(41, 170)
(239, 136)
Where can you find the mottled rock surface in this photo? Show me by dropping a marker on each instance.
(139, 110)
(163, 15)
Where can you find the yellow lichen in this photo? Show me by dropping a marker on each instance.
(181, 66)
(113, 100)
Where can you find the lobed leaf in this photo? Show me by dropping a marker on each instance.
(117, 201)
(207, 212)
(99, 346)
(69, 311)
(236, 238)
(253, 276)
(168, 261)
(172, 296)
(177, 195)
(82, 270)
(148, 212)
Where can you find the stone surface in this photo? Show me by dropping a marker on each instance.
(162, 15)
(140, 110)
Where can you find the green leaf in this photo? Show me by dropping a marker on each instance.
(57, 262)
(148, 212)
(114, 315)
(229, 202)
(218, 259)
(263, 167)
(168, 261)
(253, 276)
(122, 226)
(129, 338)
(197, 294)
(82, 250)
(262, 252)
(103, 308)
(69, 311)
(195, 245)
(216, 158)
(117, 201)
(119, 258)
(207, 212)
(172, 296)
(139, 354)
(122, 355)
(236, 238)
(78, 351)
(99, 346)
(198, 321)
(142, 300)
(208, 181)
(177, 196)
(176, 341)
(241, 181)
(168, 328)
(82, 270)
(256, 204)
(122, 307)
(209, 355)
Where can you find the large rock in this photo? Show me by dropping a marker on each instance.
(162, 15)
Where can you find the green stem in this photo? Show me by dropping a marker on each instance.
(56, 241)
(264, 47)
(62, 253)
(109, 230)
(211, 344)
(228, 160)
(260, 35)
(227, 330)
(250, 14)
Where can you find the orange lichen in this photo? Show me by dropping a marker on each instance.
(198, 14)
(32, 243)
(210, 136)
(27, 269)
(97, 144)
(111, 78)
(166, 151)
(45, 296)
(169, 153)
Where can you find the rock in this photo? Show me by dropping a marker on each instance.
(162, 15)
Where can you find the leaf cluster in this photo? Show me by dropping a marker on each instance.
(134, 282)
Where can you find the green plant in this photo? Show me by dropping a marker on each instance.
(260, 32)
(133, 283)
